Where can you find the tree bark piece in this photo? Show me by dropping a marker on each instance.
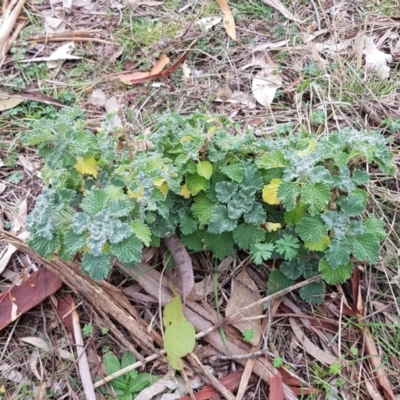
(29, 294)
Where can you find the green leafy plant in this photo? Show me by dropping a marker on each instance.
(248, 334)
(277, 362)
(87, 330)
(300, 200)
(128, 385)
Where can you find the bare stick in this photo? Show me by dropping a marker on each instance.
(7, 23)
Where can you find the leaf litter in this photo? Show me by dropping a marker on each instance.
(313, 74)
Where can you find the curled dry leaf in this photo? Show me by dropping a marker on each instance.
(377, 364)
(208, 22)
(265, 85)
(310, 347)
(229, 22)
(245, 292)
(271, 45)
(8, 102)
(61, 54)
(157, 68)
(183, 263)
(281, 8)
(376, 60)
(54, 25)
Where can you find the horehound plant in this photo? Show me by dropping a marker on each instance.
(299, 200)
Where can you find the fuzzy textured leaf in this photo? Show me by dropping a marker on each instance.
(320, 245)
(196, 183)
(205, 169)
(270, 192)
(338, 222)
(294, 216)
(142, 231)
(277, 281)
(288, 193)
(360, 177)
(353, 205)
(97, 267)
(225, 191)
(291, 269)
(202, 208)
(256, 215)
(311, 229)
(314, 292)
(220, 245)
(366, 247)
(338, 253)
(317, 196)
(246, 235)
(194, 241)
(87, 166)
(220, 221)
(43, 246)
(128, 250)
(333, 276)
(233, 171)
(94, 201)
(375, 227)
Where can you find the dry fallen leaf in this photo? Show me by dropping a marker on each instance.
(377, 364)
(229, 22)
(376, 60)
(208, 22)
(310, 347)
(271, 45)
(127, 78)
(183, 263)
(59, 55)
(54, 25)
(281, 8)
(245, 292)
(265, 85)
(8, 102)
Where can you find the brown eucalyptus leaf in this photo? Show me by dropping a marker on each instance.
(245, 292)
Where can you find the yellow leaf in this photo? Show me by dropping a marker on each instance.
(229, 22)
(272, 226)
(158, 182)
(185, 192)
(137, 194)
(205, 169)
(164, 188)
(187, 138)
(321, 245)
(310, 148)
(269, 192)
(179, 338)
(87, 166)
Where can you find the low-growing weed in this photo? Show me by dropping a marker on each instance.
(297, 199)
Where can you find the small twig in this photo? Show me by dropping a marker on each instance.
(128, 368)
(258, 353)
(266, 299)
(211, 378)
(67, 39)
